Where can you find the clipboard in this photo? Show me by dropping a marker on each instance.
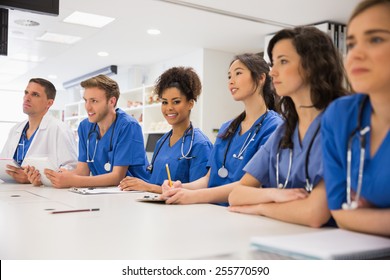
(3, 167)
(151, 198)
(99, 190)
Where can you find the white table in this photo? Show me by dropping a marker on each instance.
(123, 228)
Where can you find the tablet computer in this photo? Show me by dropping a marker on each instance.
(41, 163)
(3, 167)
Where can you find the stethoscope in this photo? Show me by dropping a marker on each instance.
(223, 172)
(21, 145)
(350, 205)
(107, 165)
(308, 184)
(183, 155)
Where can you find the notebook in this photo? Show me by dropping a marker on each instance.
(326, 244)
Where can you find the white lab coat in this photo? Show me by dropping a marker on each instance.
(53, 139)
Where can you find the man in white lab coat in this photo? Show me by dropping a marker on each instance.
(40, 135)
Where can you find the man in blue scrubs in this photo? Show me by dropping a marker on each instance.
(111, 144)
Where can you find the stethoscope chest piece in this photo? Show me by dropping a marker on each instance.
(350, 206)
(223, 172)
(107, 166)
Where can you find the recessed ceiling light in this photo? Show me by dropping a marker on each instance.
(102, 53)
(58, 38)
(88, 19)
(26, 22)
(52, 76)
(153, 31)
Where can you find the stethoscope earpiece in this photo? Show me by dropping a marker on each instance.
(238, 157)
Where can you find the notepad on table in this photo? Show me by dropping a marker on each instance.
(327, 244)
(100, 190)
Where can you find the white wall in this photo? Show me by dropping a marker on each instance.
(218, 104)
(11, 111)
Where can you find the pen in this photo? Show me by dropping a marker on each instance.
(169, 175)
(75, 210)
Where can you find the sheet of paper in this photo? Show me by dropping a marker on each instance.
(100, 190)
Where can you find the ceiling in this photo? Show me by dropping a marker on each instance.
(235, 28)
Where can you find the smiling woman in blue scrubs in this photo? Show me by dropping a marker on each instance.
(284, 179)
(356, 129)
(238, 139)
(111, 143)
(184, 148)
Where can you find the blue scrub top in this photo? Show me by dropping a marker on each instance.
(127, 146)
(339, 120)
(263, 164)
(185, 170)
(234, 165)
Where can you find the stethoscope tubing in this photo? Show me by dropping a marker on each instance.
(308, 184)
(24, 137)
(94, 131)
(222, 171)
(350, 204)
(183, 156)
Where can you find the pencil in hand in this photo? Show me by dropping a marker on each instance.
(169, 175)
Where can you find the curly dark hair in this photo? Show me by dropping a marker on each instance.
(184, 79)
(323, 68)
(258, 67)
